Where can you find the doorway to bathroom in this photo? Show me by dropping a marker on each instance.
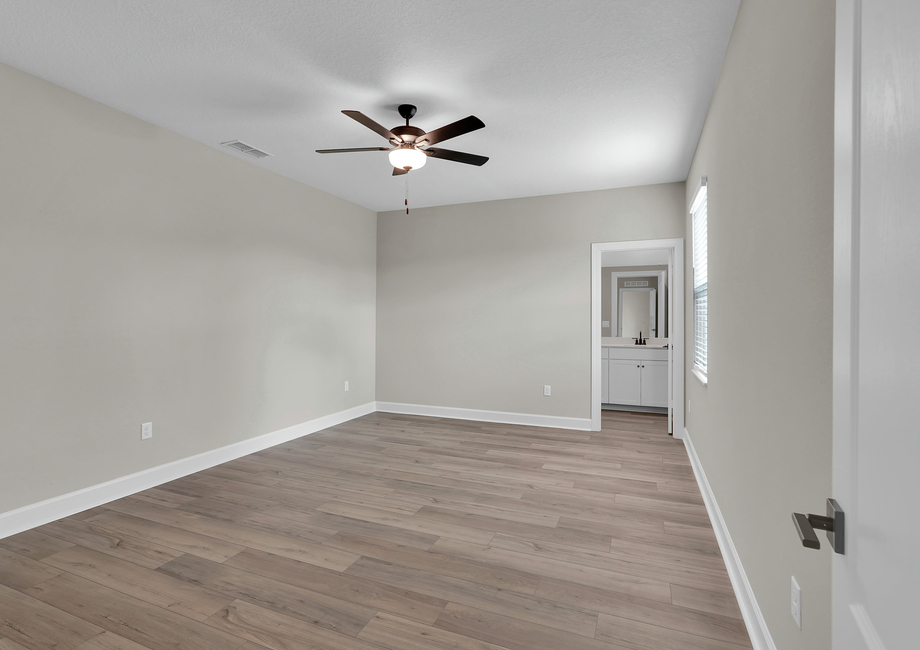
(616, 268)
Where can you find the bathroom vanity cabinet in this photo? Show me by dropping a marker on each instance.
(636, 376)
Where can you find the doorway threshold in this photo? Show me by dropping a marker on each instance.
(636, 409)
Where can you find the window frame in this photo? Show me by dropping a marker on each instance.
(699, 208)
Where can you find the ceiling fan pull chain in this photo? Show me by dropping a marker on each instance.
(407, 196)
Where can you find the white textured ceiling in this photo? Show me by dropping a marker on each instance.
(575, 94)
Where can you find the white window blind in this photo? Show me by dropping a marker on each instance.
(698, 209)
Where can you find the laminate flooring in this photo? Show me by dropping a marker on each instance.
(392, 532)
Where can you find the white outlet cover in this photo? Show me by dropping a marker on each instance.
(547, 390)
(146, 430)
(605, 323)
(796, 603)
(346, 385)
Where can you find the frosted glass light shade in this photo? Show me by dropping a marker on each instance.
(407, 157)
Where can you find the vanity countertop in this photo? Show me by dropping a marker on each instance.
(621, 342)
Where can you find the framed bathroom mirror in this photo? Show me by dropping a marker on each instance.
(637, 313)
(638, 303)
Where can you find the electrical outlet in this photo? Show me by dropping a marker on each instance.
(146, 430)
(346, 386)
(605, 324)
(547, 390)
(796, 603)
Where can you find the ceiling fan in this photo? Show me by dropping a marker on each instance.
(407, 152)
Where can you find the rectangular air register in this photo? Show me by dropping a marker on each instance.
(242, 147)
(636, 283)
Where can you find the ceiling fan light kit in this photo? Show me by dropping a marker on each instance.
(407, 152)
(407, 157)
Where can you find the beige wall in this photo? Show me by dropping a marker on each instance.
(607, 295)
(762, 426)
(481, 304)
(145, 277)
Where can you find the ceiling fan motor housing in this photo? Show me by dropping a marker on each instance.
(408, 134)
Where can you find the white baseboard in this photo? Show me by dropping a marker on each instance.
(750, 610)
(37, 514)
(499, 417)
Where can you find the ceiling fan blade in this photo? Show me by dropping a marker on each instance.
(459, 127)
(399, 171)
(350, 150)
(358, 116)
(457, 156)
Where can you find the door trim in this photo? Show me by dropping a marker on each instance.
(848, 621)
(675, 247)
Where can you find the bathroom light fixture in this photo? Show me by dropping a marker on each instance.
(407, 156)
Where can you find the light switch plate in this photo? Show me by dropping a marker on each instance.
(796, 603)
(547, 390)
(605, 324)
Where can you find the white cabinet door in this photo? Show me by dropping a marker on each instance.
(624, 381)
(605, 381)
(654, 390)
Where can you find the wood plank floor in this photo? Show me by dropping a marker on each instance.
(392, 532)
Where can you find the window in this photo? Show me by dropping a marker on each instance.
(698, 211)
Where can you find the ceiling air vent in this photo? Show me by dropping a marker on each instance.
(242, 147)
(636, 283)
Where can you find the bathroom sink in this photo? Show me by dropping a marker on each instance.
(620, 342)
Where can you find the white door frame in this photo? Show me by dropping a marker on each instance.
(845, 629)
(675, 248)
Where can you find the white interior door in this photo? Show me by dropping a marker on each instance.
(670, 331)
(652, 313)
(660, 330)
(876, 583)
